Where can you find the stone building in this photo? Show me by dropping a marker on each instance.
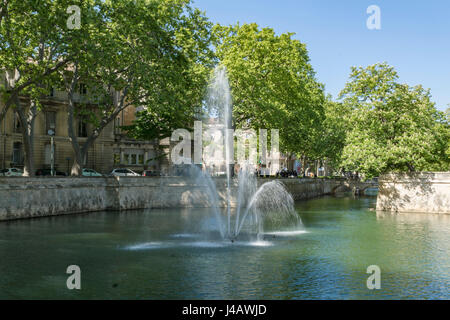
(137, 155)
(110, 150)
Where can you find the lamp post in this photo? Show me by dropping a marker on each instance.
(51, 133)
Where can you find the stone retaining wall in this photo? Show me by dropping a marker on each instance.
(37, 197)
(419, 192)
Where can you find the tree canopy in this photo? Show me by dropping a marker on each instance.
(157, 56)
(392, 126)
(330, 139)
(148, 54)
(33, 47)
(177, 81)
(273, 84)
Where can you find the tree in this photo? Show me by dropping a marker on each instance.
(273, 84)
(442, 133)
(392, 126)
(3, 9)
(330, 141)
(142, 54)
(180, 94)
(32, 50)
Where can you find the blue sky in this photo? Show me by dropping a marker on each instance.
(414, 36)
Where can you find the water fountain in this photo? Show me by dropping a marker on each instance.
(255, 206)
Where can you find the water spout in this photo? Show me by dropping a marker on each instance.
(254, 205)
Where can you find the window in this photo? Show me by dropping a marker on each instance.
(17, 156)
(82, 89)
(117, 124)
(133, 159)
(50, 121)
(82, 131)
(17, 125)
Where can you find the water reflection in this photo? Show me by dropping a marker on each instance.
(166, 254)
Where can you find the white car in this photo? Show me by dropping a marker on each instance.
(11, 172)
(124, 173)
(90, 173)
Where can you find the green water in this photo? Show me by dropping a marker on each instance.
(162, 254)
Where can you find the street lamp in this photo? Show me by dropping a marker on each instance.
(51, 133)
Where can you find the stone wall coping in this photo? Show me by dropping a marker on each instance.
(423, 177)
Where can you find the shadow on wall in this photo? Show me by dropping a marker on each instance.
(414, 192)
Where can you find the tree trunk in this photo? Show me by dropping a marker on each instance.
(27, 129)
(77, 166)
(411, 167)
(303, 165)
(318, 166)
(288, 164)
(28, 170)
(80, 152)
(78, 163)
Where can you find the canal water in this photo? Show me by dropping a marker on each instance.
(163, 254)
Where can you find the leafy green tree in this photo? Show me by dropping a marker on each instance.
(180, 92)
(443, 138)
(330, 141)
(149, 55)
(392, 126)
(273, 84)
(32, 50)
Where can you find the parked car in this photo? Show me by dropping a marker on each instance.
(11, 172)
(48, 172)
(91, 173)
(151, 173)
(124, 173)
(285, 173)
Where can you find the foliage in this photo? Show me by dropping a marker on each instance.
(391, 126)
(272, 83)
(152, 55)
(32, 49)
(331, 138)
(177, 73)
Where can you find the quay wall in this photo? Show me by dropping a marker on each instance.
(22, 197)
(427, 192)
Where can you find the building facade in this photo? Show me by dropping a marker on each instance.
(137, 155)
(112, 149)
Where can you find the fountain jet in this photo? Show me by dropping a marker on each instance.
(270, 202)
